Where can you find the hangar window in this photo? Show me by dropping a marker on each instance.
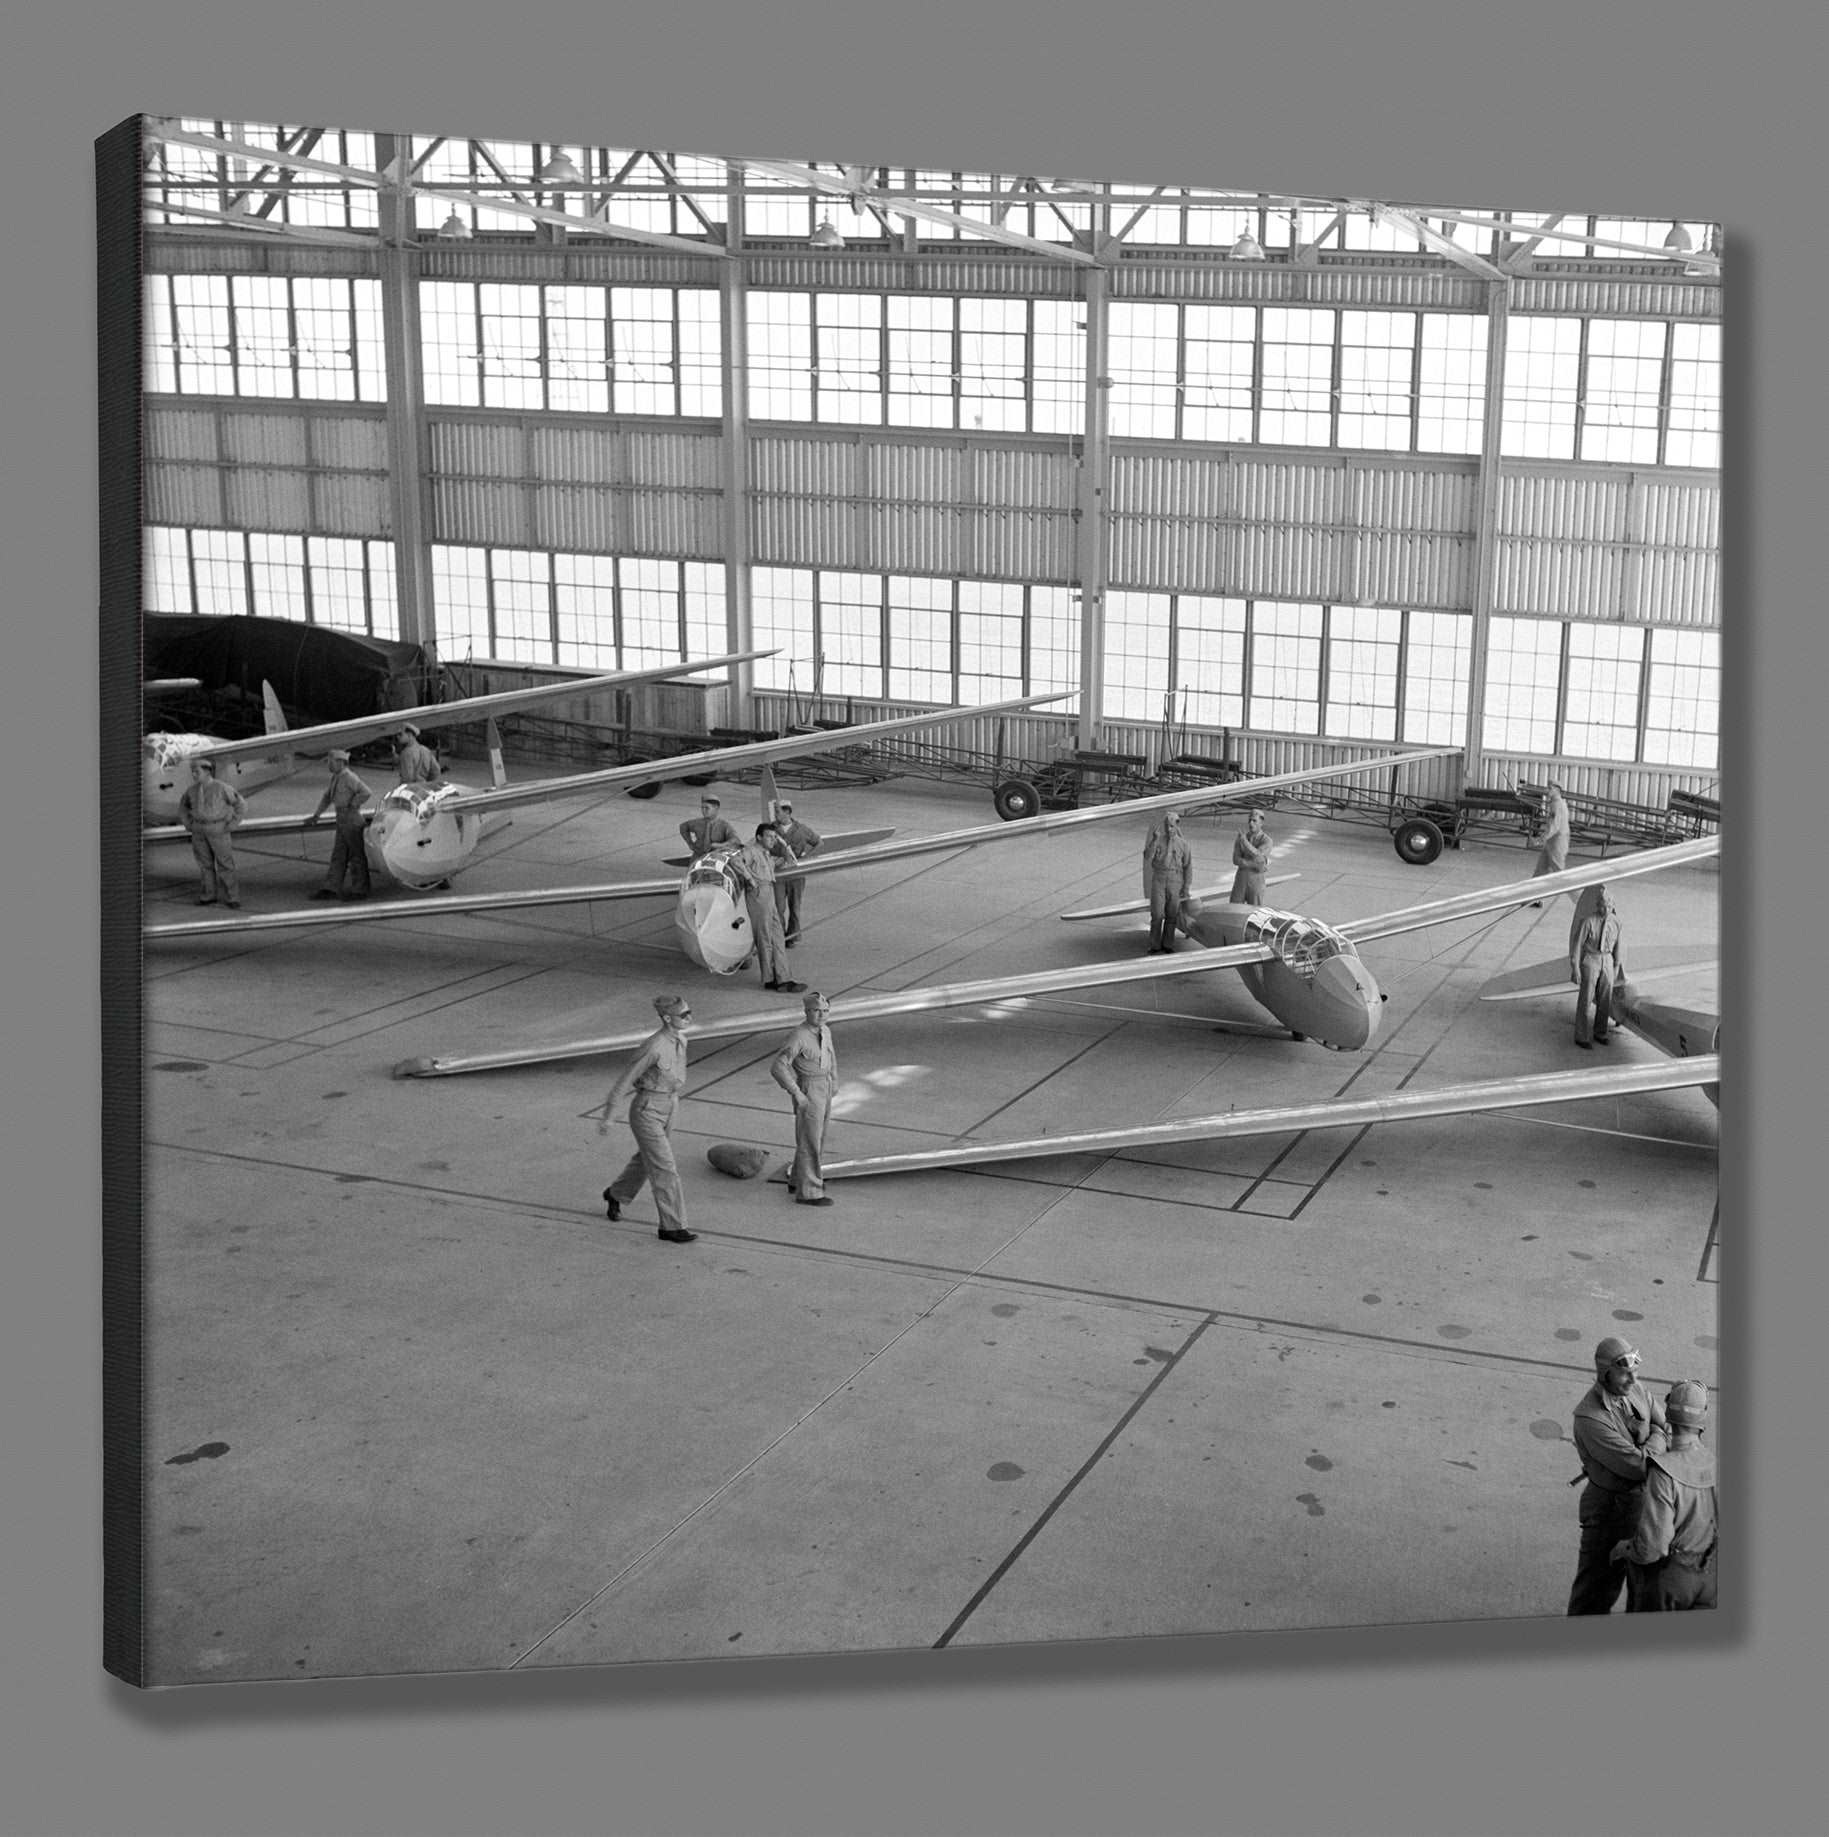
(1693, 437)
(1136, 658)
(1219, 360)
(1683, 698)
(1619, 405)
(1542, 373)
(920, 639)
(1285, 668)
(1377, 378)
(1451, 383)
(1362, 651)
(311, 338)
(1436, 650)
(1600, 706)
(343, 582)
(1523, 671)
(1298, 376)
(1209, 661)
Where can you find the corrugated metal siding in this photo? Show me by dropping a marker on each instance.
(1434, 290)
(1290, 535)
(1627, 546)
(1037, 277)
(1650, 786)
(580, 521)
(349, 443)
(184, 495)
(179, 433)
(478, 450)
(1593, 296)
(480, 512)
(577, 262)
(661, 457)
(1025, 545)
(675, 523)
(258, 497)
(348, 505)
(167, 254)
(266, 440)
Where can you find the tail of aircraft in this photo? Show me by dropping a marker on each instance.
(275, 715)
(498, 772)
(770, 794)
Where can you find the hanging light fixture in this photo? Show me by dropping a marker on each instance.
(1678, 241)
(455, 229)
(559, 170)
(1247, 249)
(827, 236)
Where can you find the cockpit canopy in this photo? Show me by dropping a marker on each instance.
(172, 749)
(421, 801)
(1302, 943)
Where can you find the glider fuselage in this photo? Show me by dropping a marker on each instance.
(1316, 984)
(165, 772)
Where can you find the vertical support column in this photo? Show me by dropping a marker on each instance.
(733, 292)
(1486, 522)
(1091, 509)
(406, 431)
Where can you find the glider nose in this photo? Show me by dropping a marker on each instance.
(1350, 1002)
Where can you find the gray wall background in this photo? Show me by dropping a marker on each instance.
(1481, 1728)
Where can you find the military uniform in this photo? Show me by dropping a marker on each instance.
(1672, 1561)
(807, 1065)
(1168, 875)
(654, 1082)
(349, 852)
(1251, 859)
(703, 833)
(1595, 960)
(1612, 1434)
(209, 810)
(418, 764)
(753, 865)
(801, 839)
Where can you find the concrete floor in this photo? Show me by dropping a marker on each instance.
(413, 1404)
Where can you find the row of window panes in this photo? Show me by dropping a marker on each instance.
(310, 338)
(583, 349)
(1620, 693)
(1349, 672)
(346, 583)
(1630, 391)
(1627, 391)
(592, 612)
(1624, 693)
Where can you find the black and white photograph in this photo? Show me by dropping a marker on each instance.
(888, 909)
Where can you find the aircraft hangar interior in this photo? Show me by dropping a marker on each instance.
(1189, 1303)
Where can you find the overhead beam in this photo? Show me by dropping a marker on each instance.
(1389, 217)
(902, 204)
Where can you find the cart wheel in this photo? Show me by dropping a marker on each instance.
(1015, 799)
(1417, 841)
(648, 790)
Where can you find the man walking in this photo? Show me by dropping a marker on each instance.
(652, 1082)
(349, 852)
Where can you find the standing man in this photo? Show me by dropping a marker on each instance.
(209, 810)
(1670, 1557)
(807, 1069)
(705, 831)
(1251, 856)
(652, 1081)
(801, 839)
(349, 853)
(415, 761)
(753, 868)
(1616, 1426)
(1553, 850)
(1168, 877)
(1595, 965)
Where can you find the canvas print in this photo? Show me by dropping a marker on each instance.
(858, 906)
